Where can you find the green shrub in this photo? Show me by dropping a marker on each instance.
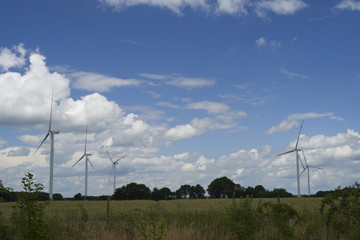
(28, 217)
(281, 215)
(341, 210)
(243, 219)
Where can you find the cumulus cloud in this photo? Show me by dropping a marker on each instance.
(293, 121)
(98, 82)
(233, 7)
(10, 59)
(281, 7)
(349, 5)
(21, 151)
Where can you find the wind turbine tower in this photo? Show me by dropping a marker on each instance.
(307, 168)
(113, 168)
(51, 133)
(86, 155)
(296, 150)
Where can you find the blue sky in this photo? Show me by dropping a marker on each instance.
(188, 90)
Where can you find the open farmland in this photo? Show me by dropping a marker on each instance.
(179, 219)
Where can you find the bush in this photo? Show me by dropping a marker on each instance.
(244, 220)
(28, 216)
(342, 211)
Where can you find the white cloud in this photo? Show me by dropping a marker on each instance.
(211, 107)
(2, 142)
(349, 5)
(173, 5)
(9, 58)
(97, 82)
(21, 151)
(263, 42)
(233, 7)
(292, 74)
(180, 132)
(180, 81)
(281, 7)
(293, 121)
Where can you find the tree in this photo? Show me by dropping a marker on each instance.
(239, 191)
(249, 191)
(183, 192)
(221, 188)
(57, 196)
(5, 194)
(78, 197)
(279, 192)
(260, 191)
(197, 191)
(132, 191)
(161, 194)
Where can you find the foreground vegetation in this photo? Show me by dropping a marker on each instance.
(187, 219)
(337, 216)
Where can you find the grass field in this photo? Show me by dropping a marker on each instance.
(177, 219)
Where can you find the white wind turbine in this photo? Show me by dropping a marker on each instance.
(51, 133)
(86, 163)
(307, 168)
(296, 150)
(113, 168)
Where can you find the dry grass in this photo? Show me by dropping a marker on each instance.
(184, 219)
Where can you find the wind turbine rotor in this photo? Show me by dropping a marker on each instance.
(78, 160)
(46, 136)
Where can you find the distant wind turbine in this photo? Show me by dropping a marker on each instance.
(51, 133)
(86, 163)
(113, 168)
(307, 168)
(296, 150)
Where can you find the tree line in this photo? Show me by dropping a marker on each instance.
(222, 187)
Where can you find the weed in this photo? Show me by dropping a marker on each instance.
(152, 227)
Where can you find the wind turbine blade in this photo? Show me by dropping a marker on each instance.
(285, 153)
(303, 171)
(304, 157)
(119, 159)
(90, 163)
(300, 160)
(78, 161)
(85, 139)
(52, 99)
(43, 141)
(112, 168)
(109, 156)
(297, 142)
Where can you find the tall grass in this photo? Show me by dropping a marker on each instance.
(182, 219)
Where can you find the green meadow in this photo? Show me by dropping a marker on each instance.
(294, 218)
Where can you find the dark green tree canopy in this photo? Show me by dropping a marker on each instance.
(132, 191)
(221, 188)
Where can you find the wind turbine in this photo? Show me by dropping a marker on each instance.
(296, 150)
(86, 163)
(307, 167)
(114, 163)
(51, 133)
